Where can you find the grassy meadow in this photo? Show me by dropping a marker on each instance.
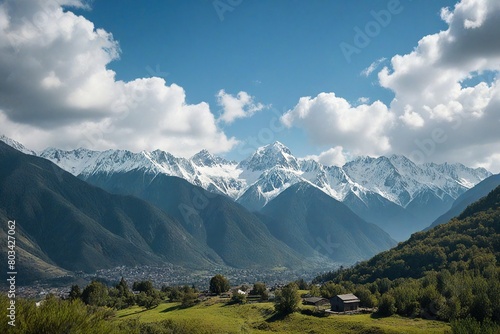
(214, 316)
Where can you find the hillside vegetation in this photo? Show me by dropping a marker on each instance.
(259, 318)
(450, 273)
(56, 316)
(469, 243)
(63, 223)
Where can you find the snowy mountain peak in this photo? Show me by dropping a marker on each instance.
(466, 176)
(74, 161)
(275, 147)
(269, 156)
(18, 146)
(362, 159)
(364, 183)
(401, 159)
(201, 154)
(205, 158)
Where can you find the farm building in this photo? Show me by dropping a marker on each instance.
(343, 303)
(316, 301)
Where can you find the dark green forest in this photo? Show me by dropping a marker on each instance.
(450, 272)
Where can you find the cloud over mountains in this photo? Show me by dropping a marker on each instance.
(436, 113)
(56, 89)
(55, 84)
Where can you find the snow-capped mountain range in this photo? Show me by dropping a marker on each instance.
(18, 146)
(393, 180)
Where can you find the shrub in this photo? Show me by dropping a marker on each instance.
(386, 306)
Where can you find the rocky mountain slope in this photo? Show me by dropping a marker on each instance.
(65, 224)
(392, 192)
(470, 196)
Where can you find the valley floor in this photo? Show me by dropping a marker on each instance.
(214, 316)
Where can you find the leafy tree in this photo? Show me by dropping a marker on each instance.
(143, 286)
(258, 289)
(315, 291)
(75, 292)
(245, 287)
(330, 290)
(123, 289)
(287, 300)
(470, 325)
(407, 298)
(451, 309)
(366, 298)
(175, 294)
(261, 290)
(96, 294)
(386, 306)
(431, 301)
(219, 284)
(383, 285)
(189, 298)
(121, 297)
(302, 284)
(148, 300)
(238, 298)
(481, 308)
(187, 289)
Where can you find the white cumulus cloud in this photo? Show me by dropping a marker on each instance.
(56, 89)
(412, 118)
(334, 156)
(240, 106)
(432, 103)
(330, 119)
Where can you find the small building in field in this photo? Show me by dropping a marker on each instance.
(315, 301)
(344, 303)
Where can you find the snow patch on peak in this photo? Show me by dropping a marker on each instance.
(74, 161)
(16, 145)
(269, 156)
(205, 158)
(276, 147)
(272, 168)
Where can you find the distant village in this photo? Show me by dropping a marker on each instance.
(167, 275)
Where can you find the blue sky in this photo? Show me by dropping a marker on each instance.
(277, 51)
(288, 60)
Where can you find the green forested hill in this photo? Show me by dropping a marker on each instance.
(450, 272)
(471, 242)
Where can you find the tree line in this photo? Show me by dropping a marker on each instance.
(449, 273)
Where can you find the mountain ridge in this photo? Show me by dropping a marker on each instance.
(364, 183)
(236, 235)
(466, 242)
(470, 196)
(308, 220)
(67, 224)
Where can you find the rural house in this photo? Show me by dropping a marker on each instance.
(343, 303)
(315, 301)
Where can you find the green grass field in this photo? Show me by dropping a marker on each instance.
(213, 316)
